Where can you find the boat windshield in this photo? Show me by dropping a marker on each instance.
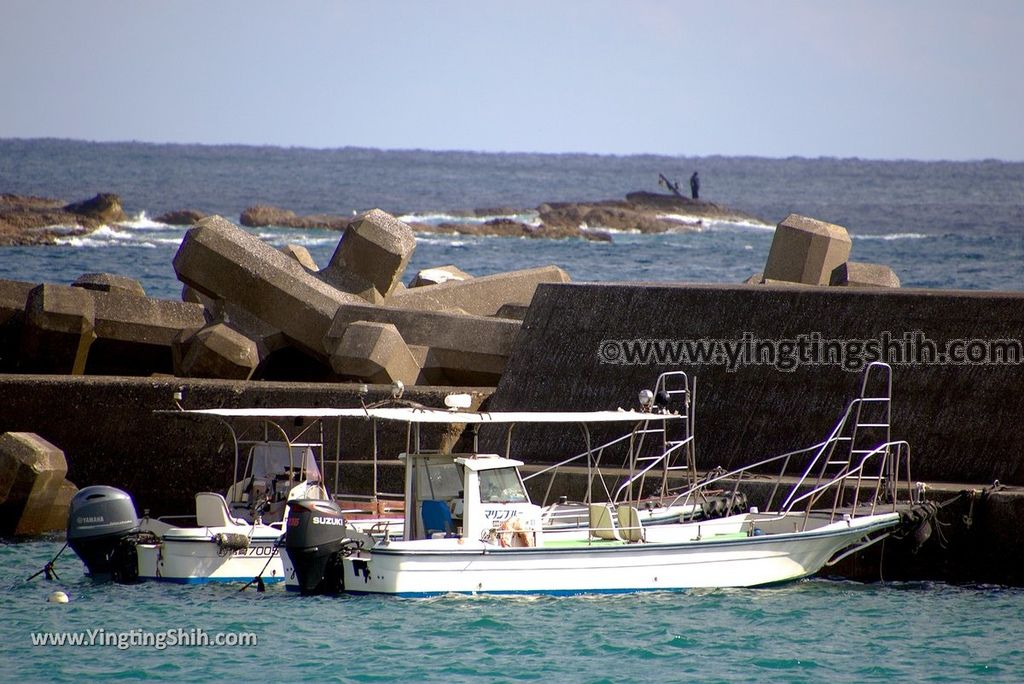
(439, 480)
(501, 485)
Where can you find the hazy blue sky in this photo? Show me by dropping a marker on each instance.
(919, 79)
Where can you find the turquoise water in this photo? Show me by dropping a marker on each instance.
(809, 631)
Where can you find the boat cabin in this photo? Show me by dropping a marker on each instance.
(471, 496)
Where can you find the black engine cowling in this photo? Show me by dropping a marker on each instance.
(100, 518)
(314, 541)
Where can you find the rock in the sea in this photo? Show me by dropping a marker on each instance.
(181, 217)
(262, 215)
(26, 220)
(104, 207)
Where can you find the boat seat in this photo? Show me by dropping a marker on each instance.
(601, 523)
(212, 511)
(630, 527)
(436, 517)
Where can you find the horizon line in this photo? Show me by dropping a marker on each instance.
(820, 157)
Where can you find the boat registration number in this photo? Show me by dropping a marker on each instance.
(257, 551)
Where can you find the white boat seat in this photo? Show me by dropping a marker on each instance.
(601, 523)
(630, 527)
(212, 511)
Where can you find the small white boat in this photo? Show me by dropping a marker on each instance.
(471, 528)
(228, 539)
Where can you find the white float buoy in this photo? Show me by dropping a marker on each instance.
(59, 597)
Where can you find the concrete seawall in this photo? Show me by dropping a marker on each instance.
(962, 421)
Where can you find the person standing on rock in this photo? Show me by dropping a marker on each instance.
(695, 185)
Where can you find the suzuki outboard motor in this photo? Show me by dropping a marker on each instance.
(99, 520)
(313, 540)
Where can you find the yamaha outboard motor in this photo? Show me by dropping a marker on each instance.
(100, 519)
(314, 540)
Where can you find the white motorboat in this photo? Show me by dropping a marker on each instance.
(232, 538)
(470, 526)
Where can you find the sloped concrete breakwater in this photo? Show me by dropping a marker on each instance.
(962, 419)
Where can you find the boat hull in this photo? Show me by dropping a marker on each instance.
(433, 567)
(198, 561)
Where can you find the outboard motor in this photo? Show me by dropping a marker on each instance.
(314, 539)
(100, 519)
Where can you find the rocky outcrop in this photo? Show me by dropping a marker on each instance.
(639, 212)
(506, 227)
(105, 208)
(26, 220)
(262, 215)
(181, 217)
(37, 220)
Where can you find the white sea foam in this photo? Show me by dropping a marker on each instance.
(892, 236)
(681, 218)
(733, 224)
(530, 218)
(164, 241)
(585, 228)
(101, 237)
(142, 222)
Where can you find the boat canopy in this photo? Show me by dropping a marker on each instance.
(438, 415)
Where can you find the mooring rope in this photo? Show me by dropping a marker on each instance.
(49, 569)
(258, 579)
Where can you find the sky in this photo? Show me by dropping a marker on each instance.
(875, 79)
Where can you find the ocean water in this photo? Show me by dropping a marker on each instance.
(938, 224)
(807, 631)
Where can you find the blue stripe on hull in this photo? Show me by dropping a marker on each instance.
(531, 592)
(210, 580)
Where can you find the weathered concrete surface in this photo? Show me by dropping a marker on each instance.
(108, 282)
(482, 296)
(268, 338)
(301, 254)
(437, 275)
(13, 295)
(134, 335)
(806, 250)
(59, 329)
(110, 434)
(857, 274)
(32, 472)
(375, 249)
(374, 352)
(217, 351)
(469, 350)
(225, 262)
(962, 421)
